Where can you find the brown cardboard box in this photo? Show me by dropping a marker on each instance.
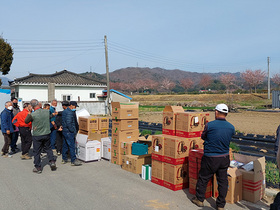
(158, 146)
(190, 124)
(116, 160)
(124, 125)
(176, 149)
(253, 181)
(103, 123)
(169, 116)
(234, 192)
(126, 162)
(96, 135)
(126, 147)
(198, 143)
(175, 177)
(125, 136)
(136, 162)
(125, 110)
(157, 172)
(89, 123)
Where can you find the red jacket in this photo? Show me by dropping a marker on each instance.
(18, 120)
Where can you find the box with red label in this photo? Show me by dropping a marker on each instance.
(157, 172)
(176, 149)
(190, 124)
(169, 122)
(253, 181)
(175, 177)
(192, 187)
(234, 193)
(199, 143)
(158, 146)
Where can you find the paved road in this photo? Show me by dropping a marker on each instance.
(96, 185)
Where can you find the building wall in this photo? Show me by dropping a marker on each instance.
(118, 98)
(26, 92)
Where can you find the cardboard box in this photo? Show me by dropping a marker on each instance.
(157, 172)
(146, 172)
(103, 123)
(168, 121)
(116, 159)
(158, 146)
(95, 135)
(125, 162)
(192, 187)
(134, 162)
(253, 181)
(126, 110)
(88, 123)
(175, 177)
(87, 150)
(190, 124)
(198, 143)
(125, 136)
(176, 149)
(234, 192)
(106, 148)
(124, 125)
(126, 148)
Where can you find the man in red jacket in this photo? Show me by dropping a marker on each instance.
(24, 130)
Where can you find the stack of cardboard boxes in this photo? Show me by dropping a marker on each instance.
(181, 133)
(124, 129)
(92, 125)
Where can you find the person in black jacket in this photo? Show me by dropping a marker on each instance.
(58, 122)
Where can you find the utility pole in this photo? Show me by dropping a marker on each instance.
(107, 74)
(268, 79)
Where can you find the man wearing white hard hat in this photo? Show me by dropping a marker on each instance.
(217, 135)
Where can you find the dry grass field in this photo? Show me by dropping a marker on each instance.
(255, 122)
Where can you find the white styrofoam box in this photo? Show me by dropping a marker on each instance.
(87, 150)
(106, 148)
(146, 172)
(82, 113)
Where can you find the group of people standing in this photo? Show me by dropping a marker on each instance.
(49, 131)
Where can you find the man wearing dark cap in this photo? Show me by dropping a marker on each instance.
(217, 135)
(69, 133)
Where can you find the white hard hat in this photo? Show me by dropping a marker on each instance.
(222, 108)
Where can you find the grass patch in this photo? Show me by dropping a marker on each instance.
(234, 147)
(272, 173)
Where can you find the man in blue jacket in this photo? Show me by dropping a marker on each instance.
(69, 134)
(7, 127)
(217, 136)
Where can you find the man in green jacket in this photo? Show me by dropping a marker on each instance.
(40, 119)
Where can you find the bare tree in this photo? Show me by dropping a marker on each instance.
(253, 78)
(228, 80)
(167, 85)
(276, 79)
(186, 83)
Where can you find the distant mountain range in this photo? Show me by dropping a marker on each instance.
(134, 73)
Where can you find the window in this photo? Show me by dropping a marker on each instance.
(66, 97)
(92, 95)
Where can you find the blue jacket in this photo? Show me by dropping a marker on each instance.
(68, 121)
(217, 135)
(6, 121)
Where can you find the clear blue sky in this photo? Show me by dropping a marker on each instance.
(199, 36)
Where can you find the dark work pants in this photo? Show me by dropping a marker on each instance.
(209, 167)
(68, 143)
(59, 141)
(14, 141)
(40, 142)
(7, 142)
(26, 139)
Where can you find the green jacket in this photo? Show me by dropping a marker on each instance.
(40, 122)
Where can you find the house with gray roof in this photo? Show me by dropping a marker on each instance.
(63, 86)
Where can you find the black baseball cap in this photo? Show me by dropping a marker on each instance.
(73, 103)
(65, 103)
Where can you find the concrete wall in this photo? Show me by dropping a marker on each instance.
(28, 92)
(118, 98)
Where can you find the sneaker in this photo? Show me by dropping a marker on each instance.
(27, 157)
(76, 163)
(23, 157)
(197, 202)
(58, 153)
(53, 165)
(54, 152)
(37, 170)
(220, 208)
(64, 161)
(4, 155)
(12, 152)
